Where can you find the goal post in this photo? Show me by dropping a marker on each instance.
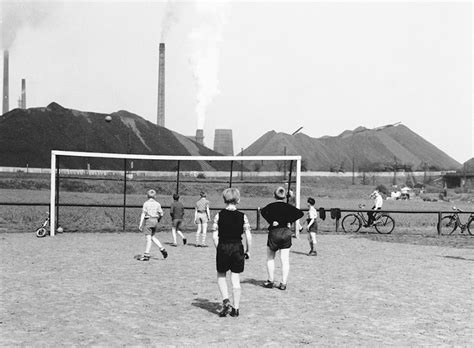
(228, 171)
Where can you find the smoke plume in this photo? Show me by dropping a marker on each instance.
(205, 39)
(170, 18)
(16, 14)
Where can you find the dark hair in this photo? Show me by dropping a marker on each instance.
(311, 200)
(175, 196)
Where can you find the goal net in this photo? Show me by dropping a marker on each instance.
(100, 192)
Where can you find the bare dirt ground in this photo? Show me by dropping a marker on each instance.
(86, 289)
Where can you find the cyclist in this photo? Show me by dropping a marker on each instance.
(378, 202)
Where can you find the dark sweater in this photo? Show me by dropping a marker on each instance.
(281, 212)
(230, 225)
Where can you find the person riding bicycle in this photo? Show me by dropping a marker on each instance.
(378, 202)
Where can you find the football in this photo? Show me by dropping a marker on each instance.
(60, 230)
(108, 118)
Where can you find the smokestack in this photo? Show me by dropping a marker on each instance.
(23, 94)
(5, 82)
(223, 142)
(200, 136)
(160, 118)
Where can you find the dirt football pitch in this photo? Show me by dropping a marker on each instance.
(86, 289)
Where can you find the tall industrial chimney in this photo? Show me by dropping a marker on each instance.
(160, 118)
(23, 94)
(223, 142)
(200, 136)
(6, 107)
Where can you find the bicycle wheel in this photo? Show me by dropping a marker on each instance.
(385, 224)
(470, 227)
(448, 225)
(40, 232)
(351, 223)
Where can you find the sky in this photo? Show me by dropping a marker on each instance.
(253, 66)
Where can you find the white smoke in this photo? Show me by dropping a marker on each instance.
(170, 18)
(205, 39)
(20, 13)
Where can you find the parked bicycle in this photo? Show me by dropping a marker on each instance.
(450, 223)
(44, 230)
(383, 223)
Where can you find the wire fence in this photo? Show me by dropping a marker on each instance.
(73, 217)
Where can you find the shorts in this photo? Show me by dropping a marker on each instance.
(201, 218)
(279, 238)
(150, 226)
(313, 227)
(230, 256)
(176, 223)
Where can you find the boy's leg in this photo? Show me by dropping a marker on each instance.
(148, 244)
(159, 245)
(285, 264)
(204, 231)
(236, 290)
(270, 264)
(198, 232)
(222, 284)
(173, 233)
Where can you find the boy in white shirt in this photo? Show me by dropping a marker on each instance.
(312, 226)
(151, 215)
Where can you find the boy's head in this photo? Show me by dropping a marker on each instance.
(203, 194)
(311, 201)
(231, 196)
(280, 193)
(175, 196)
(151, 193)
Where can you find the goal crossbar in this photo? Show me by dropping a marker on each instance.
(56, 153)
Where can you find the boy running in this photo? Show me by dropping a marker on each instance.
(229, 225)
(151, 215)
(177, 214)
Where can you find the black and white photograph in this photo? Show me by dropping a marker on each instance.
(224, 173)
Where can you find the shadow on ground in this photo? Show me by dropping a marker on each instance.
(203, 303)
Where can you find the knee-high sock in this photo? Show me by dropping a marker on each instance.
(204, 231)
(198, 232)
(157, 242)
(222, 284)
(285, 264)
(148, 244)
(236, 290)
(173, 234)
(270, 264)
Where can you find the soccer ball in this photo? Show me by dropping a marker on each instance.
(60, 230)
(108, 118)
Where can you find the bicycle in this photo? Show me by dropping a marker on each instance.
(450, 223)
(383, 223)
(44, 230)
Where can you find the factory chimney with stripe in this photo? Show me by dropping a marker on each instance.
(160, 118)
(6, 106)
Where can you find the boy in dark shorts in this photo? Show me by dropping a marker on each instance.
(151, 215)
(177, 214)
(279, 215)
(229, 225)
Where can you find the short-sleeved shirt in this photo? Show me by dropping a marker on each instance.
(152, 209)
(312, 213)
(202, 205)
(177, 210)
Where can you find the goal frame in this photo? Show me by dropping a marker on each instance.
(56, 153)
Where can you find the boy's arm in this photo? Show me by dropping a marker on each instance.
(142, 218)
(248, 236)
(215, 230)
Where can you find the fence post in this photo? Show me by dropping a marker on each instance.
(438, 226)
(258, 218)
(337, 224)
